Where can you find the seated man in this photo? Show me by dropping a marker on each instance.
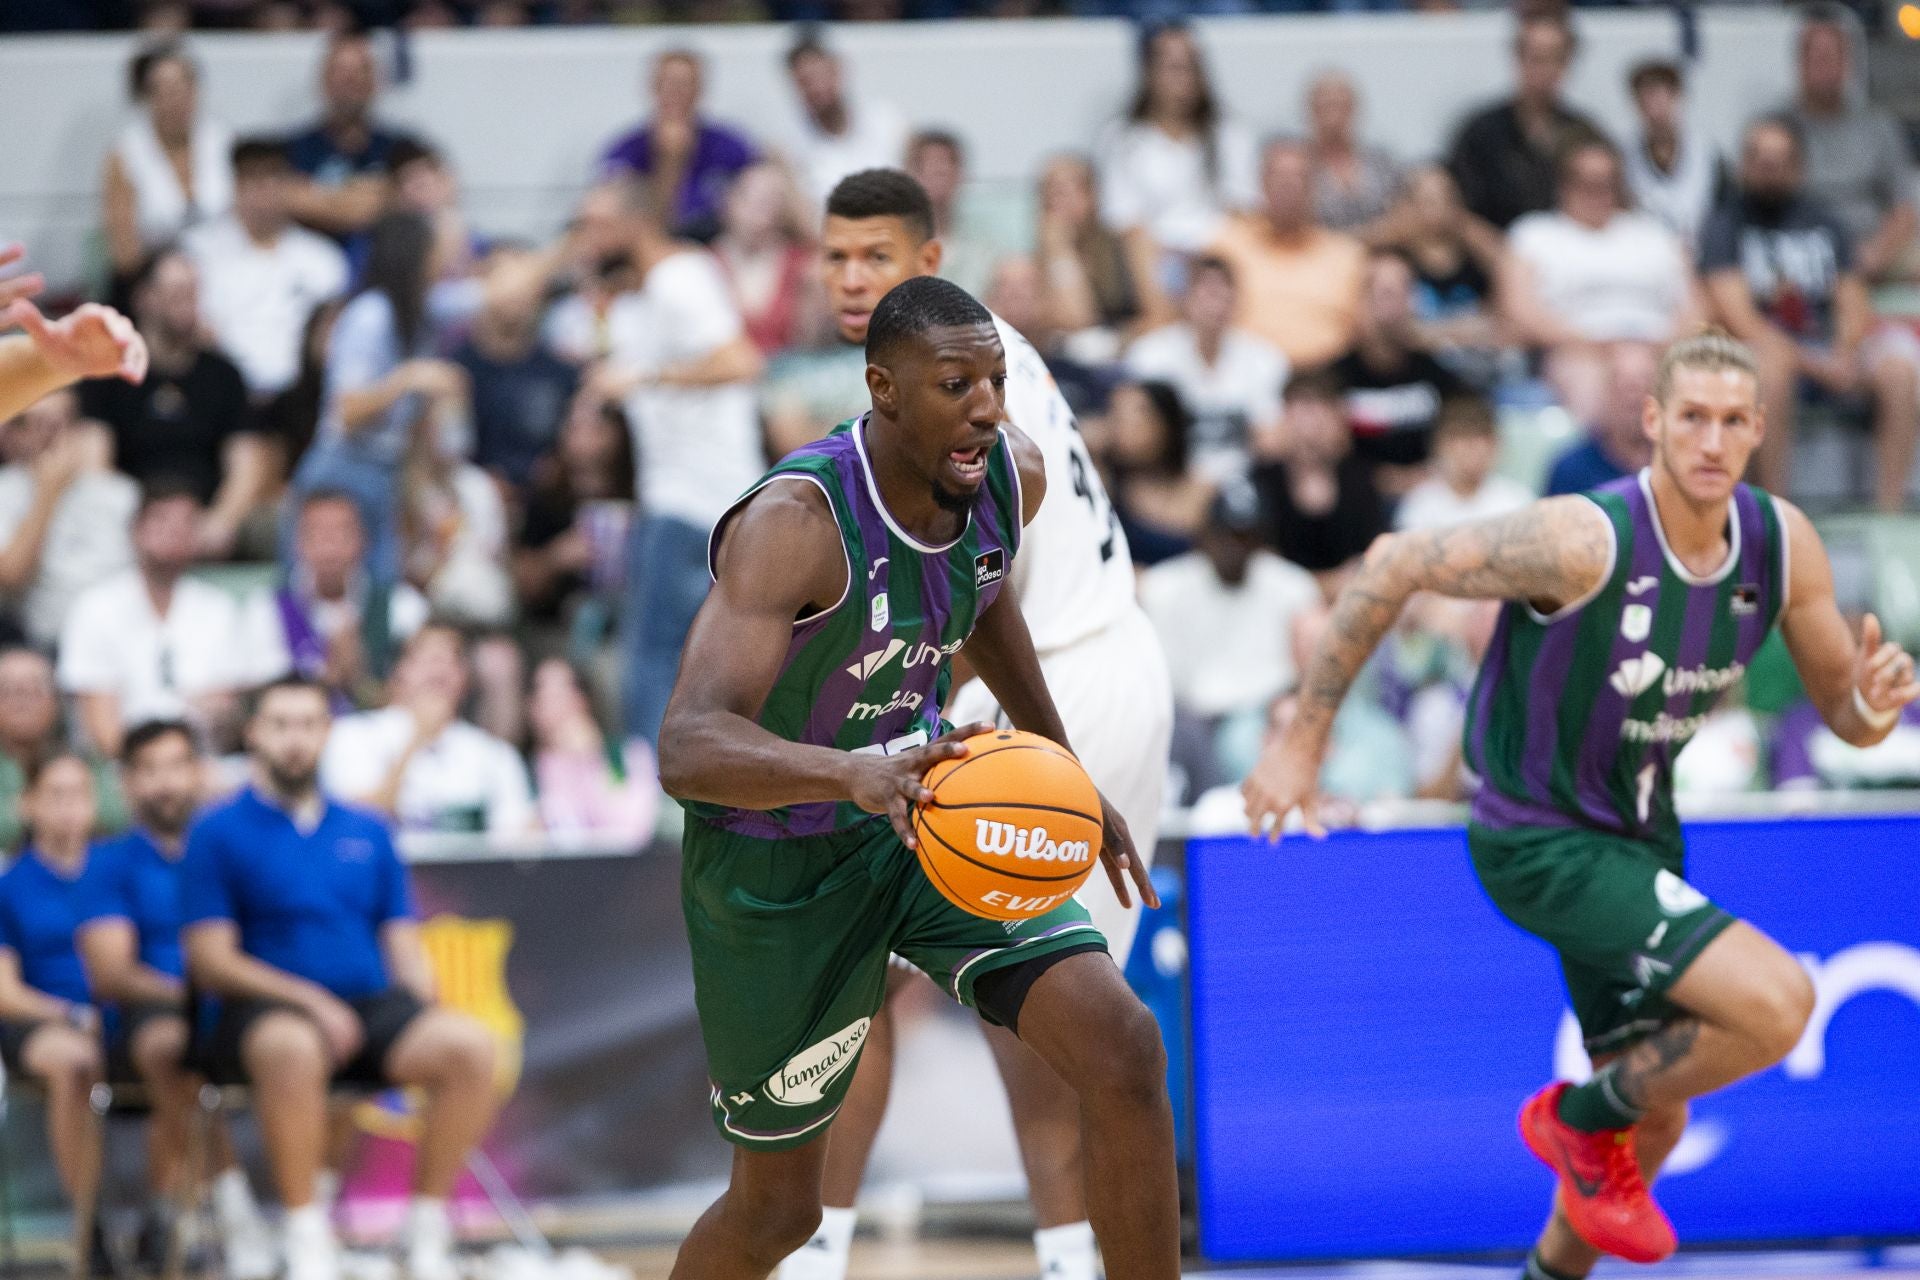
(128, 920)
(49, 1027)
(299, 916)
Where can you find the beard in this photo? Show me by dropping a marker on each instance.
(953, 500)
(167, 817)
(295, 778)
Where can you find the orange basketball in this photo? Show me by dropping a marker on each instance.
(1013, 828)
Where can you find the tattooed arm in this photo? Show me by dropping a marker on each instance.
(1550, 554)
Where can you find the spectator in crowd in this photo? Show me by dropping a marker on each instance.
(1857, 161)
(938, 162)
(454, 530)
(1781, 275)
(260, 275)
(1616, 443)
(49, 1026)
(574, 534)
(1393, 389)
(682, 362)
(1673, 172)
(1094, 278)
(31, 731)
(1321, 507)
(343, 155)
(1466, 444)
(1223, 611)
(292, 419)
(602, 270)
(1229, 380)
(171, 166)
(191, 419)
(64, 515)
(329, 621)
(1299, 282)
(1594, 272)
(588, 786)
(419, 761)
(299, 917)
(689, 162)
(1455, 259)
(518, 387)
(836, 133)
(128, 936)
(152, 643)
(1143, 442)
(424, 183)
(769, 261)
(1177, 163)
(1503, 156)
(1354, 185)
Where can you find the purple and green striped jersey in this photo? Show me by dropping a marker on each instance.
(1576, 718)
(871, 673)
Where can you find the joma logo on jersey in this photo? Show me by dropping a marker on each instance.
(869, 665)
(1027, 842)
(808, 1073)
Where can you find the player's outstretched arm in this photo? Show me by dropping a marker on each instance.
(780, 559)
(1859, 689)
(1549, 553)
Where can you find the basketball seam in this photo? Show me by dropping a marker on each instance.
(932, 872)
(1001, 871)
(1023, 804)
(1018, 746)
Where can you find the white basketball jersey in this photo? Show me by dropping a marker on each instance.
(1074, 572)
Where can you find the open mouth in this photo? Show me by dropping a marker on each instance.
(969, 464)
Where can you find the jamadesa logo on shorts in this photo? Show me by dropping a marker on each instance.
(1027, 842)
(807, 1074)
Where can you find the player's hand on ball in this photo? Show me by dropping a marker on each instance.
(1122, 862)
(893, 784)
(1286, 777)
(1884, 671)
(91, 342)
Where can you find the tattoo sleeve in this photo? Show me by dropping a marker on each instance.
(1638, 1067)
(1551, 552)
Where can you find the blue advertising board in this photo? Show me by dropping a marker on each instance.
(1366, 1025)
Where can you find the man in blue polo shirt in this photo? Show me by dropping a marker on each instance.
(128, 916)
(299, 916)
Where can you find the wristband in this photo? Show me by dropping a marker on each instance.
(1876, 720)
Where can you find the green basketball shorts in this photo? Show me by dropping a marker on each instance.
(790, 942)
(1619, 911)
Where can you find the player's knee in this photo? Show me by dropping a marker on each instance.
(160, 1050)
(1132, 1061)
(283, 1046)
(470, 1054)
(1784, 1007)
(70, 1064)
(773, 1226)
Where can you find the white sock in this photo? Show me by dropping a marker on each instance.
(326, 1189)
(309, 1225)
(233, 1196)
(428, 1224)
(1068, 1252)
(825, 1256)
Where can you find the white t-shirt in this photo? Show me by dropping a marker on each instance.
(698, 447)
(1229, 648)
(876, 138)
(257, 299)
(1150, 180)
(1681, 200)
(464, 780)
(1624, 282)
(1433, 504)
(86, 542)
(266, 631)
(1074, 571)
(1227, 399)
(114, 642)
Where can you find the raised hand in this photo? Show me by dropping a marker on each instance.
(1883, 672)
(92, 341)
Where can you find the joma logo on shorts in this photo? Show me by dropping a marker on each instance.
(807, 1074)
(1027, 842)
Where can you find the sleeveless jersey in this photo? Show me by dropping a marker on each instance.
(1576, 718)
(871, 673)
(1075, 575)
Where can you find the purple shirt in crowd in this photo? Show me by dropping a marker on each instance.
(718, 155)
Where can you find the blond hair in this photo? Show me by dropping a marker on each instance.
(1709, 351)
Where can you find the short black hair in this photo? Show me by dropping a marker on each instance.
(946, 139)
(1466, 414)
(292, 680)
(915, 307)
(149, 266)
(884, 193)
(1211, 264)
(165, 487)
(148, 732)
(808, 41)
(406, 151)
(141, 70)
(1314, 384)
(1657, 71)
(256, 154)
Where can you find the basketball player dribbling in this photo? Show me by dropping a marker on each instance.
(1104, 665)
(1630, 611)
(806, 711)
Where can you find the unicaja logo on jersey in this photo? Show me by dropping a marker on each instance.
(865, 666)
(807, 1074)
(1003, 838)
(1637, 675)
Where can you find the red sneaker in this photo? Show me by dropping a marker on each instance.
(1601, 1190)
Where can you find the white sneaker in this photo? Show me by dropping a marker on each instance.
(427, 1245)
(248, 1246)
(312, 1251)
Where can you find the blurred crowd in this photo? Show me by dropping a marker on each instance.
(465, 482)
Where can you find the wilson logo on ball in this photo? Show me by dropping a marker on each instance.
(1027, 842)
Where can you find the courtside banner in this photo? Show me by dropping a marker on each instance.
(1366, 1025)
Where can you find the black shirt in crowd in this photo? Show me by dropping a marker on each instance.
(1792, 256)
(1330, 539)
(1392, 409)
(1501, 174)
(174, 425)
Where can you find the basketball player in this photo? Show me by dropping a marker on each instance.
(1103, 664)
(92, 342)
(1630, 610)
(806, 710)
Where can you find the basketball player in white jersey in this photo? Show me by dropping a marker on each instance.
(1103, 662)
